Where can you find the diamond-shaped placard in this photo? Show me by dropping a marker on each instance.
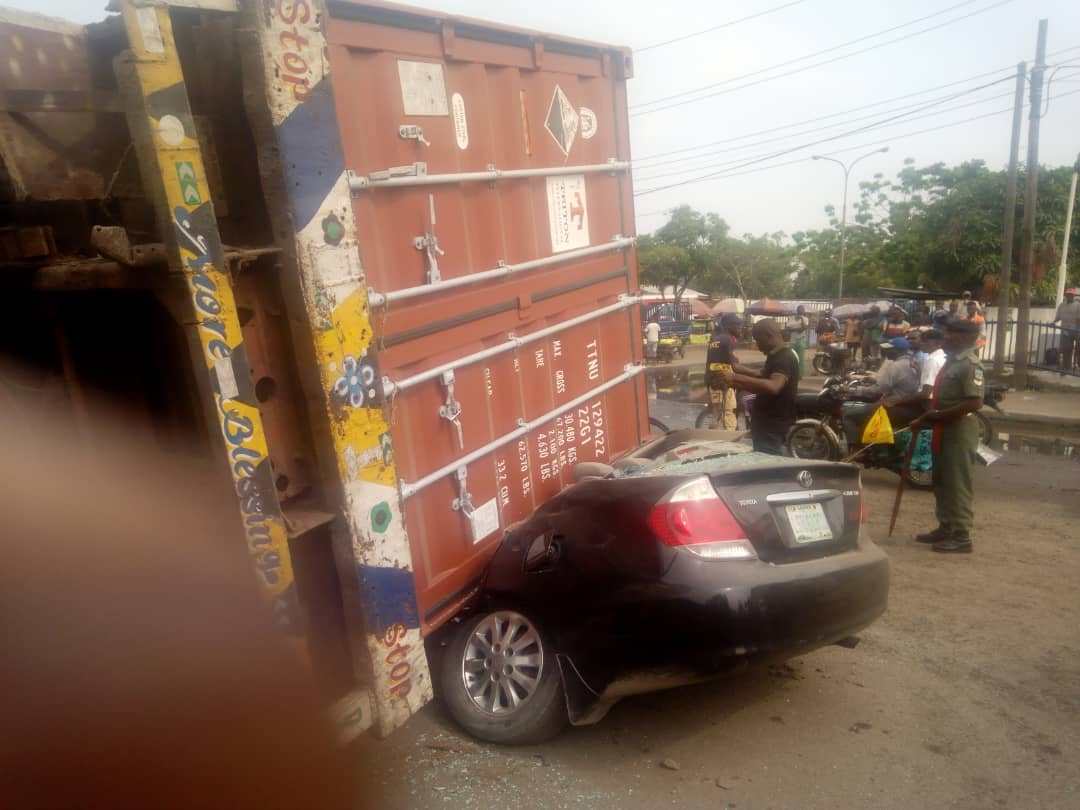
(562, 121)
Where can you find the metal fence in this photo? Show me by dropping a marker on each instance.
(1050, 347)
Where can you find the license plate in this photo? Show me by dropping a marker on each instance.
(808, 523)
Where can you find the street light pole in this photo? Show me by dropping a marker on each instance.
(843, 215)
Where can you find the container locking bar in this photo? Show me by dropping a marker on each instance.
(377, 299)
(400, 176)
(408, 489)
(391, 387)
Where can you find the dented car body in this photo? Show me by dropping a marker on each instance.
(633, 606)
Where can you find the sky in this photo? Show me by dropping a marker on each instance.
(793, 197)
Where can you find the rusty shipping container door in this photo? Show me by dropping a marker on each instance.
(495, 219)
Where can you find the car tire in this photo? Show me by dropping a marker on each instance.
(470, 658)
(986, 428)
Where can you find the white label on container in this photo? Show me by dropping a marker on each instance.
(226, 378)
(588, 122)
(485, 520)
(423, 88)
(568, 216)
(146, 16)
(461, 124)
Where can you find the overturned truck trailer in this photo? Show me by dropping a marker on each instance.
(375, 262)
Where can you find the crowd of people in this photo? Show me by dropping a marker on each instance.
(930, 376)
(865, 333)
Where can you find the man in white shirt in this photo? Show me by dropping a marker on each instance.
(652, 339)
(1068, 312)
(930, 359)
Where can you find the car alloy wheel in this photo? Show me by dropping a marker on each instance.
(501, 662)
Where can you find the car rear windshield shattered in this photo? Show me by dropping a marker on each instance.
(701, 457)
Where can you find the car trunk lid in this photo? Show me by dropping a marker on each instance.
(795, 511)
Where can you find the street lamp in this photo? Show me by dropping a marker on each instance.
(843, 217)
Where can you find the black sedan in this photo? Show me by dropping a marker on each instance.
(690, 558)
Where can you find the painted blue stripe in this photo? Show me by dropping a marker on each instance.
(311, 150)
(389, 598)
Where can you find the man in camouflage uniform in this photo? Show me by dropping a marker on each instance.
(958, 393)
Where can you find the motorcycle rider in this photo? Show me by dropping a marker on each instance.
(898, 382)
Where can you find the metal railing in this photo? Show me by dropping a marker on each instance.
(1050, 347)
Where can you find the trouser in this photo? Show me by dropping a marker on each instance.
(771, 443)
(1068, 345)
(724, 401)
(799, 345)
(853, 349)
(869, 348)
(855, 418)
(650, 349)
(954, 493)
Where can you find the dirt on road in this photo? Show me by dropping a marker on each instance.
(966, 694)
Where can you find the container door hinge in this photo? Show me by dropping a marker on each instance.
(451, 411)
(412, 132)
(429, 243)
(463, 503)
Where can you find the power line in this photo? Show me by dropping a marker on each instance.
(907, 107)
(867, 128)
(809, 56)
(727, 24)
(1010, 68)
(892, 139)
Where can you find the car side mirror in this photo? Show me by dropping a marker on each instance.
(543, 552)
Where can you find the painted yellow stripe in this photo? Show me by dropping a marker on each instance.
(183, 176)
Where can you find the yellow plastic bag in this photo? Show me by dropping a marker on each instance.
(879, 429)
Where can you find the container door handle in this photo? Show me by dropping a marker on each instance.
(451, 409)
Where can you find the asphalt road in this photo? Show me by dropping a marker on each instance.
(966, 694)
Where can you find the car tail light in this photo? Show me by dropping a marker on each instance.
(693, 517)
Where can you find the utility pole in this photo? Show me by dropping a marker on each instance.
(1063, 268)
(843, 216)
(1010, 224)
(1031, 202)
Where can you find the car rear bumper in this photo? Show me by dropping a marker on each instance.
(764, 608)
(706, 617)
(711, 618)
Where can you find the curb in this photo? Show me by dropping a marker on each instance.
(1060, 422)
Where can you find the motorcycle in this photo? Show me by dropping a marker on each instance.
(993, 394)
(668, 347)
(831, 358)
(818, 432)
(836, 358)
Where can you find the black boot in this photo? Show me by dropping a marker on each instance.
(956, 544)
(936, 536)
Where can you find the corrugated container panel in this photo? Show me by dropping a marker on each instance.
(487, 97)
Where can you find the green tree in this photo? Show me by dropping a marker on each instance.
(680, 252)
(936, 227)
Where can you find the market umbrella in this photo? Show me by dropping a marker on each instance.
(699, 309)
(727, 306)
(768, 306)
